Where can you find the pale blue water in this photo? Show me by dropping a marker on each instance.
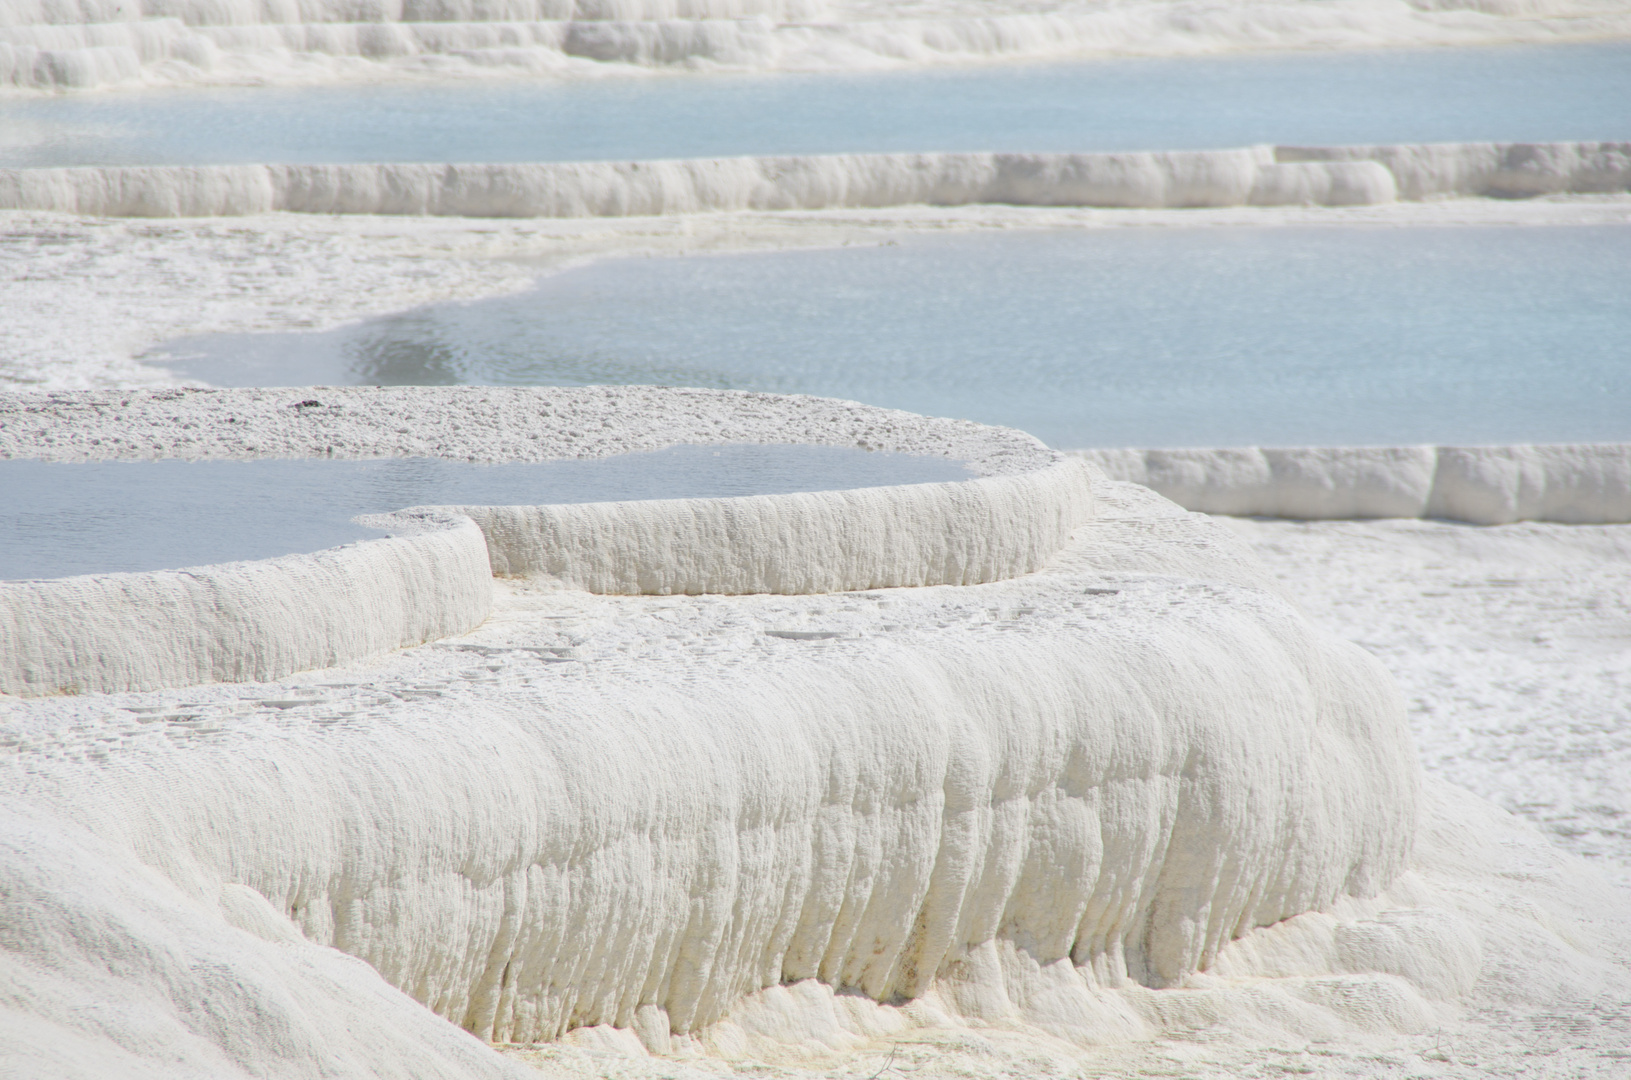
(1116, 337)
(99, 517)
(1428, 95)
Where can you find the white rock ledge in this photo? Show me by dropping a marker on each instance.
(1046, 802)
(1576, 484)
(263, 620)
(959, 533)
(242, 621)
(1250, 176)
(87, 44)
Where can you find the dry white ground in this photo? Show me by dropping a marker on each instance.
(1512, 644)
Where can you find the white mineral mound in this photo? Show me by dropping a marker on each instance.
(55, 44)
(1136, 793)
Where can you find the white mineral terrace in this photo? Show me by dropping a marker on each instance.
(1111, 786)
(1219, 763)
(1264, 176)
(85, 44)
(1486, 485)
(1113, 790)
(261, 620)
(1094, 793)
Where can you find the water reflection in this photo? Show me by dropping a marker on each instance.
(404, 350)
(447, 345)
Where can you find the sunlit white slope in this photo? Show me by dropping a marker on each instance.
(110, 970)
(55, 44)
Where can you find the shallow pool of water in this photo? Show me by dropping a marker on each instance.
(1114, 337)
(98, 517)
(1512, 93)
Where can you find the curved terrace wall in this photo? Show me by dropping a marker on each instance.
(242, 621)
(958, 533)
(261, 620)
(1046, 802)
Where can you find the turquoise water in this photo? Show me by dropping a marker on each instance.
(1114, 337)
(1431, 95)
(99, 517)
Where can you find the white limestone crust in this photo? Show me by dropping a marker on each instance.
(645, 188)
(1581, 483)
(255, 621)
(244, 621)
(63, 44)
(1132, 794)
(1253, 176)
(1497, 170)
(810, 542)
(1024, 814)
(110, 971)
(477, 423)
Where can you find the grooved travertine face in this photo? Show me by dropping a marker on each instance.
(1249, 176)
(1036, 801)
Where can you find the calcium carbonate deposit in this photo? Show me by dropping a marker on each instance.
(1033, 773)
(81, 44)
(1131, 795)
(1256, 176)
(1133, 812)
(1041, 804)
(260, 620)
(1485, 485)
(66, 518)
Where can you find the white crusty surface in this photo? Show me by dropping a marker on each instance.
(483, 424)
(1512, 645)
(1181, 178)
(1262, 175)
(1501, 170)
(110, 970)
(956, 533)
(1034, 800)
(86, 44)
(243, 621)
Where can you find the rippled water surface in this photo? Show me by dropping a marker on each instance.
(1114, 337)
(1513, 93)
(98, 517)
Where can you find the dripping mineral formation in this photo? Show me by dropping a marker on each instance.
(1252, 176)
(1048, 785)
(86, 44)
